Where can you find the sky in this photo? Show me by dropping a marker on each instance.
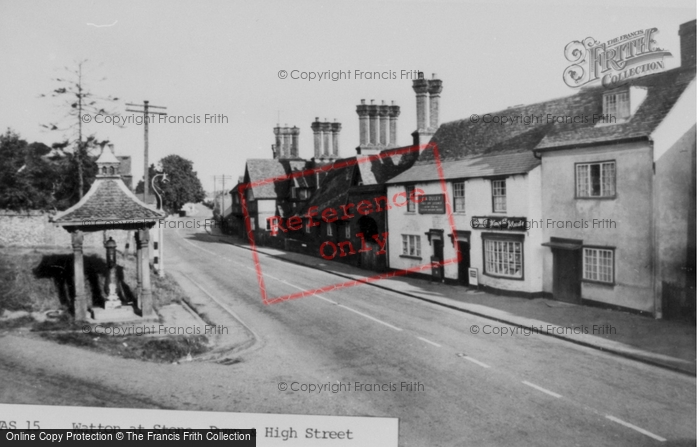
(224, 58)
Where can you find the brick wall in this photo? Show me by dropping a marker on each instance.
(32, 229)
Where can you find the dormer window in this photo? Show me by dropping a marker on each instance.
(617, 105)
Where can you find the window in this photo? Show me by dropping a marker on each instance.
(410, 205)
(249, 195)
(503, 258)
(598, 265)
(595, 179)
(458, 192)
(617, 104)
(347, 231)
(329, 229)
(304, 193)
(498, 193)
(411, 245)
(308, 227)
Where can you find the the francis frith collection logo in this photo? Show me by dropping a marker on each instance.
(613, 62)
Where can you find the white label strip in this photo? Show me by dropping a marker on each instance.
(273, 430)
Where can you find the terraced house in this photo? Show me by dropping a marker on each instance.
(593, 211)
(621, 195)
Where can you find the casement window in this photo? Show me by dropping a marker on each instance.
(411, 244)
(410, 204)
(595, 180)
(503, 257)
(498, 195)
(329, 229)
(598, 265)
(458, 193)
(617, 104)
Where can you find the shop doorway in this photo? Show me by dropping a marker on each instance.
(567, 275)
(464, 263)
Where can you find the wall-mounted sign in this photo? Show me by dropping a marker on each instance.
(499, 223)
(432, 204)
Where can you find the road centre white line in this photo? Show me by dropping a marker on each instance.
(634, 427)
(371, 318)
(428, 341)
(482, 364)
(544, 390)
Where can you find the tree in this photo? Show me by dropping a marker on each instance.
(27, 179)
(182, 185)
(82, 105)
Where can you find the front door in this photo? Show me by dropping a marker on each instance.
(438, 256)
(567, 275)
(463, 266)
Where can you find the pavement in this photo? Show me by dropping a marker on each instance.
(663, 343)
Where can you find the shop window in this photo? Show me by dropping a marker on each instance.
(503, 258)
(598, 265)
(595, 180)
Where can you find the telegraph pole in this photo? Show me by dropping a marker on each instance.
(146, 118)
(223, 179)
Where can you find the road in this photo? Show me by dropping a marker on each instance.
(468, 389)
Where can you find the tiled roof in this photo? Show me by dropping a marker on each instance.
(260, 170)
(663, 90)
(348, 173)
(477, 142)
(107, 200)
(472, 167)
(334, 187)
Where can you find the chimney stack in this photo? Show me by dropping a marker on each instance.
(373, 123)
(383, 124)
(295, 142)
(363, 113)
(377, 126)
(427, 120)
(688, 33)
(286, 142)
(394, 112)
(420, 86)
(318, 138)
(434, 89)
(335, 128)
(325, 139)
(326, 129)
